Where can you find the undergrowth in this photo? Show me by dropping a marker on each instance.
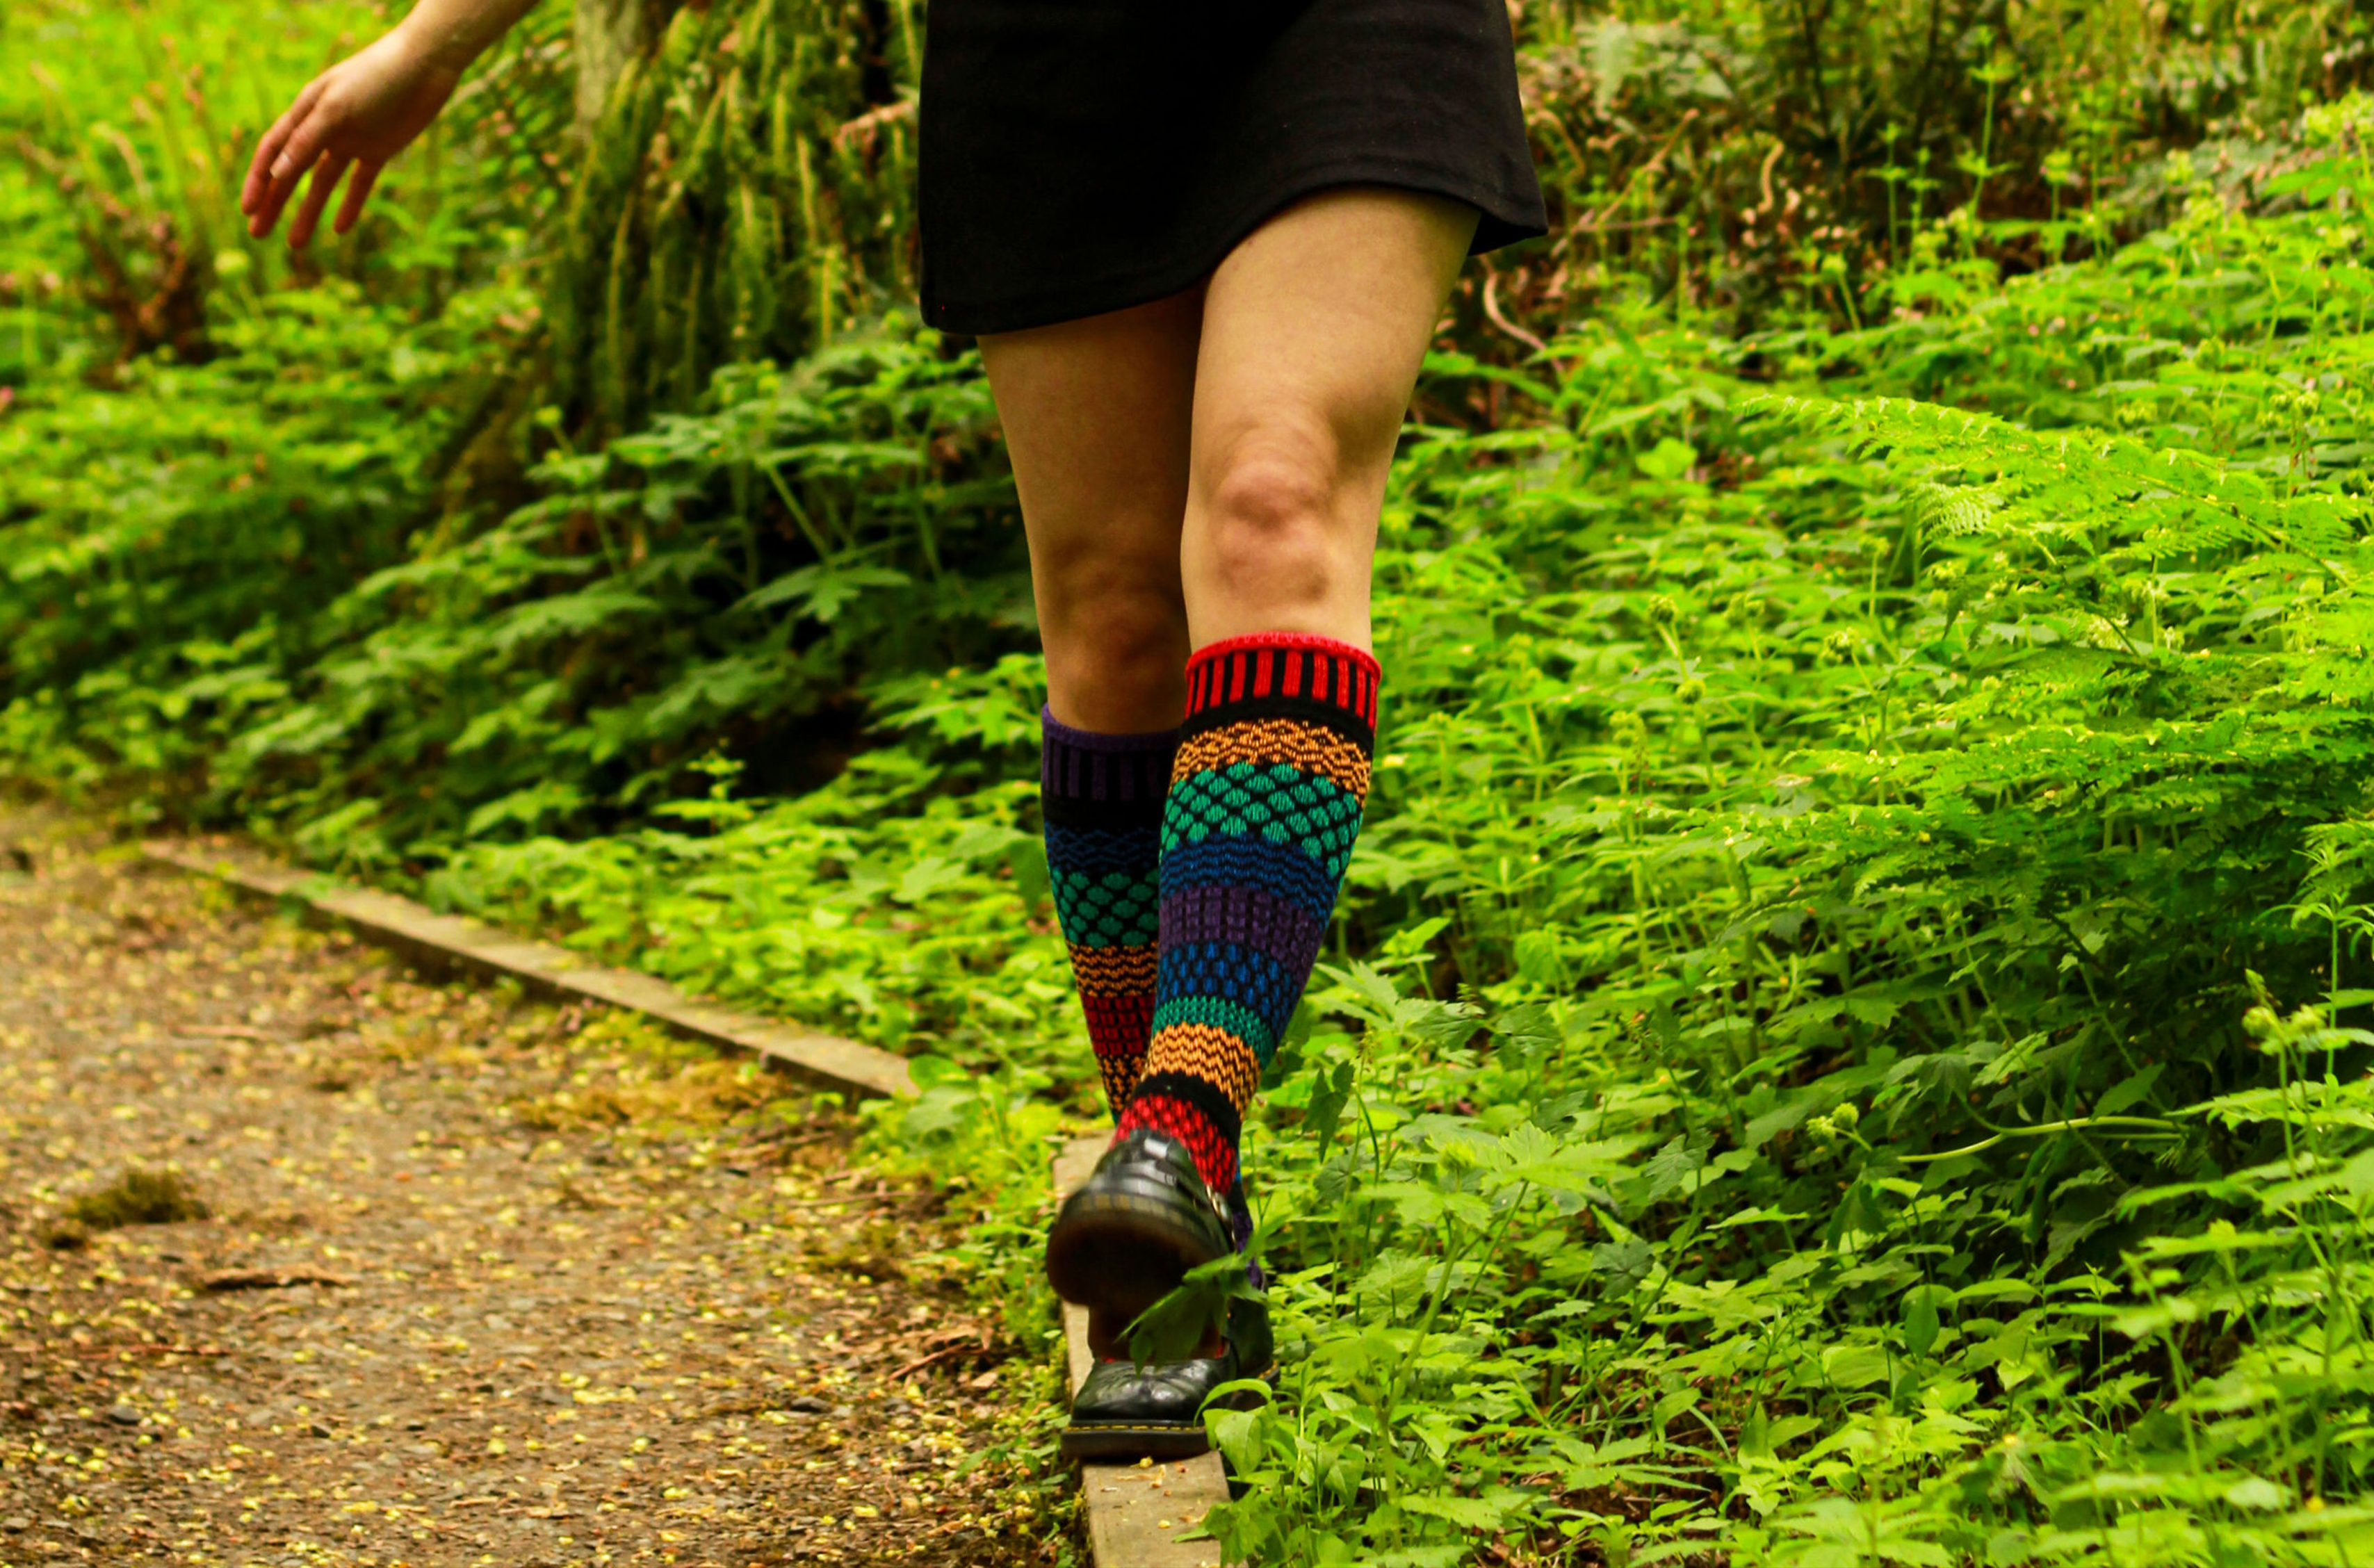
(1844, 1043)
(1837, 1050)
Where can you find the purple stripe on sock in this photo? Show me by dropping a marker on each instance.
(1243, 916)
(1082, 765)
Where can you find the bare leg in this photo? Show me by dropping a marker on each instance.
(1264, 411)
(1313, 330)
(1097, 418)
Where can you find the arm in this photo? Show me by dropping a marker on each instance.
(363, 110)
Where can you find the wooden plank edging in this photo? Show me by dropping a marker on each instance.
(452, 941)
(1136, 1512)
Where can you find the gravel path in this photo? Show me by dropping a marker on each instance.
(478, 1282)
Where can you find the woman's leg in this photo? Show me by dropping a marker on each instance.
(1097, 419)
(1313, 330)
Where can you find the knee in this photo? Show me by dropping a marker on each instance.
(1116, 647)
(1126, 631)
(1271, 518)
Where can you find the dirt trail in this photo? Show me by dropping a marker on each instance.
(461, 1295)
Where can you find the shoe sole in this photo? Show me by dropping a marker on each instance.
(1118, 1254)
(1149, 1439)
(1131, 1440)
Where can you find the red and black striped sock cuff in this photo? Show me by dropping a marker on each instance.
(1208, 1098)
(1284, 675)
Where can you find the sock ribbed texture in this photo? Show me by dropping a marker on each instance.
(1101, 797)
(1265, 800)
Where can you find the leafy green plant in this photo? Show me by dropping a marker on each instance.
(1780, 160)
(147, 615)
(128, 133)
(1844, 1040)
(1860, 821)
(756, 557)
(881, 904)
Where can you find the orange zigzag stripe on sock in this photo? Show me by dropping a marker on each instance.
(1312, 748)
(1121, 1074)
(1115, 971)
(1199, 1050)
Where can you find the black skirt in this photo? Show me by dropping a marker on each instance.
(1084, 156)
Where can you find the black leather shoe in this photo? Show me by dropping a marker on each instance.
(1126, 1238)
(1126, 1412)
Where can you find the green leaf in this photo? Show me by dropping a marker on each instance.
(2129, 1091)
(1470, 1513)
(1920, 1306)
(1174, 1327)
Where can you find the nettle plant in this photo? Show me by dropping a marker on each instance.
(1842, 1051)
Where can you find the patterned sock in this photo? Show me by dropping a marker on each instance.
(1265, 802)
(1101, 798)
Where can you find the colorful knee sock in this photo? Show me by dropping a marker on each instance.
(1101, 798)
(1265, 802)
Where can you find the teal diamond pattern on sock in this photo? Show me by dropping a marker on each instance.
(1278, 803)
(1107, 909)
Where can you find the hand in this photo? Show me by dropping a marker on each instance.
(359, 114)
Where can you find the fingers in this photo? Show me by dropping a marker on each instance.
(299, 153)
(366, 175)
(309, 215)
(258, 185)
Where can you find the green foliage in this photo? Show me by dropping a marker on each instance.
(1776, 159)
(128, 133)
(726, 571)
(147, 617)
(1843, 1045)
(1856, 823)
(116, 161)
(884, 904)
(747, 194)
(1800, 1083)
(416, 682)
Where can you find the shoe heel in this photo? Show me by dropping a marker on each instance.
(1110, 1254)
